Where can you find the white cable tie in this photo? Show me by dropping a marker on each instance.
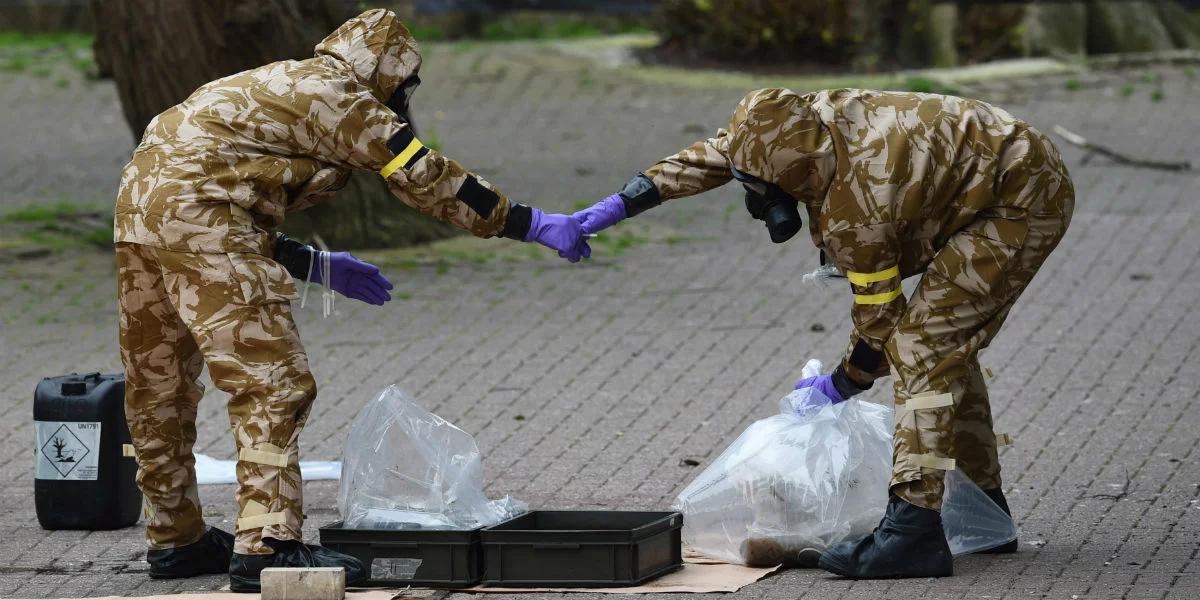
(308, 278)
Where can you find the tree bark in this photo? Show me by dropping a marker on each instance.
(160, 51)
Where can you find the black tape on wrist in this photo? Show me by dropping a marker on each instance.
(516, 227)
(845, 386)
(639, 195)
(865, 358)
(294, 256)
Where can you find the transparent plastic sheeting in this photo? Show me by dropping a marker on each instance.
(407, 468)
(210, 470)
(814, 475)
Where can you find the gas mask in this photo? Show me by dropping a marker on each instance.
(401, 97)
(768, 202)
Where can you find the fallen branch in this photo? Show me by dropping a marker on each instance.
(1078, 140)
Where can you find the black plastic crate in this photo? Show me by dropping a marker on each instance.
(582, 549)
(401, 557)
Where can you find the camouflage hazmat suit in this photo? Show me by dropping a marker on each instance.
(211, 179)
(896, 185)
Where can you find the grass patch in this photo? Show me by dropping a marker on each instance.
(616, 245)
(15, 64)
(60, 226)
(1157, 95)
(46, 41)
(927, 85)
(40, 53)
(1127, 90)
(41, 213)
(432, 140)
(1073, 85)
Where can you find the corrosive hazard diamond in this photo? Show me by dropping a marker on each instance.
(64, 450)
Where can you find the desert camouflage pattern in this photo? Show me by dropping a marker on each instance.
(898, 184)
(180, 311)
(219, 171)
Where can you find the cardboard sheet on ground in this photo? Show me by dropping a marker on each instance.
(699, 575)
(350, 595)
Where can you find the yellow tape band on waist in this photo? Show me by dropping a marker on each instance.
(401, 159)
(929, 461)
(260, 521)
(883, 298)
(128, 451)
(263, 457)
(869, 278)
(1003, 439)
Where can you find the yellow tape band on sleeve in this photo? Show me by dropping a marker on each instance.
(930, 461)
(934, 400)
(128, 451)
(263, 457)
(401, 159)
(1003, 439)
(260, 521)
(925, 401)
(883, 298)
(861, 279)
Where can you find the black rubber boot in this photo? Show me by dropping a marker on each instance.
(997, 496)
(909, 542)
(244, 569)
(207, 556)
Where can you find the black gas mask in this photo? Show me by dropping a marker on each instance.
(401, 97)
(768, 202)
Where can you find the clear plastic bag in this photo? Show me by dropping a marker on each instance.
(407, 468)
(810, 477)
(793, 484)
(972, 521)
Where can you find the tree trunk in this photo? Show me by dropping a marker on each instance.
(1056, 29)
(1125, 27)
(160, 51)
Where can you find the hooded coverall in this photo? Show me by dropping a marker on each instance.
(898, 185)
(211, 179)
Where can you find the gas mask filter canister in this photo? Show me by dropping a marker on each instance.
(768, 202)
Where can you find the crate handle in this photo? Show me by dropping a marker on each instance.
(556, 546)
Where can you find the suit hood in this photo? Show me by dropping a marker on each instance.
(778, 136)
(378, 48)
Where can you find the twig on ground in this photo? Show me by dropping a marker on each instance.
(1082, 142)
(1121, 494)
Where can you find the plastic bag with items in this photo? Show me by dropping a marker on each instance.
(803, 480)
(407, 468)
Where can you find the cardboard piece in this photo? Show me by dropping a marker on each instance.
(699, 575)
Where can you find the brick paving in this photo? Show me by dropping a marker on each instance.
(587, 384)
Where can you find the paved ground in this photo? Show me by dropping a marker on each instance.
(586, 385)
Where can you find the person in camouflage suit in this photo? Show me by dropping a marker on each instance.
(895, 185)
(204, 280)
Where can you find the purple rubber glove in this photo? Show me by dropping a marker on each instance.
(823, 384)
(351, 277)
(602, 215)
(558, 232)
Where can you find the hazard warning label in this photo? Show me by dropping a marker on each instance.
(67, 450)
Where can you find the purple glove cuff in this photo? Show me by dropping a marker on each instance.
(824, 384)
(535, 222)
(614, 205)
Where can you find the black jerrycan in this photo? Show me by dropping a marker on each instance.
(84, 478)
